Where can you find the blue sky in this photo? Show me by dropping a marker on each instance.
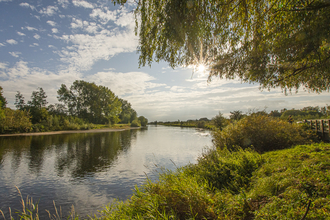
(49, 43)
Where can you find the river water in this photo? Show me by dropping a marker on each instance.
(89, 170)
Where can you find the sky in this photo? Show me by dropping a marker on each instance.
(49, 43)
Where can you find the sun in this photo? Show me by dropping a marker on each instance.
(201, 68)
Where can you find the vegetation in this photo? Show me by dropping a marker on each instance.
(262, 133)
(86, 106)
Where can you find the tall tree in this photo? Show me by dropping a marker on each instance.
(276, 43)
(2, 99)
(38, 99)
(19, 101)
(97, 104)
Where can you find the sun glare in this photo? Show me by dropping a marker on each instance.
(201, 68)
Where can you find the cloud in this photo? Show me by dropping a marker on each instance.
(20, 33)
(3, 65)
(34, 45)
(27, 5)
(49, 11)
(15, 54)
(37, 36)
(54, 30)
(11, 41)
(81, 3)
(30, 28)
(87, 49)
(51, 23)
(2, 45)
(63, 3)
(125, 83)
(105, 16)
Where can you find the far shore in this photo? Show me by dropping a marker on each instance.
(70, 132)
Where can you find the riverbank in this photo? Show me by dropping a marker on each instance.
(70, 132)
(243, 184)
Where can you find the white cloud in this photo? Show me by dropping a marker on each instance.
(15, 54)
(34, 45)
(51, 23)
(81, 3)
(124, 83)
(54, 30)
(87, 49)
(63, 3)
(30, 28)
(11, 41)
(90, 27)
(20, 33)
(24, 4)
(2, 45)
(27, 5)
(104, 16)
(49, 11)
(3, 65)
(37, 36)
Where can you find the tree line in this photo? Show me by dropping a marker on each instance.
(83, 105)
(220, 121)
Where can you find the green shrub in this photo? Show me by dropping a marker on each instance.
(262, 133)
(224, 169)
(135, 123)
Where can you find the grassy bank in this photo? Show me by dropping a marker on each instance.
(241, 184)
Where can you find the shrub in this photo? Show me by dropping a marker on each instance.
(135, 123)
(260, 132)
(224, 169)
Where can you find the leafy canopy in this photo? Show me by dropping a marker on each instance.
(276, 43)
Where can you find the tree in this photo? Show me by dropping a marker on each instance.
(143, 121)
(276, 43)
(2, 99)
(219, 121)
(97, 104)
(19, 101)
(38, 99)
(236, 115)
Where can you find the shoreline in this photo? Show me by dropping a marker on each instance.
(69, 132)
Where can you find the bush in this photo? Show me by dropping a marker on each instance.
(135, 123)
(223, 169)
(262, 133)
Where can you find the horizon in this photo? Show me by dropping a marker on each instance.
(46, 44)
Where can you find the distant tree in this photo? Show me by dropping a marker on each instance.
(125, 115)
(143, 121)
(2, 99)
(236, 115)
(38, 99)
(2, 112)
(57, 109)
(204, 119)
(133, 116)
(19, 101)
(219, 121)
(275, 113)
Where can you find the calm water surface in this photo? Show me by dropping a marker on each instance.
(89, 170)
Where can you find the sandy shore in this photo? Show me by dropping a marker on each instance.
(69, 132)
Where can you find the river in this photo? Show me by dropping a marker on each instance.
(89, 170)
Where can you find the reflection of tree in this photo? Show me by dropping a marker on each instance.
(92, 152)
(16, 145)
(79, 155)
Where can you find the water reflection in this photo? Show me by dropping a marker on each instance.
(89, 170)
